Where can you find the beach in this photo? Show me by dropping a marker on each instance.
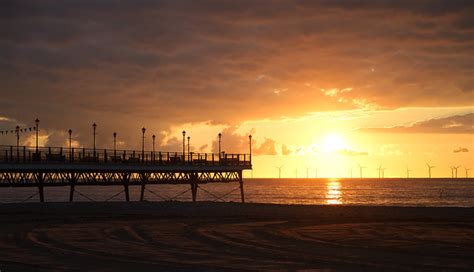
(206, 236)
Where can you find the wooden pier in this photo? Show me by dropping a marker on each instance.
(23, 166)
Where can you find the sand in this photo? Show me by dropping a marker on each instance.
(231, 236)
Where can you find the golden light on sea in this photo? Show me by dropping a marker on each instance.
(333, 193)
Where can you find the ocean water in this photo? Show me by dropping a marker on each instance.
(391, 192)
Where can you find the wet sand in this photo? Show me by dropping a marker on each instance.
(230, 236)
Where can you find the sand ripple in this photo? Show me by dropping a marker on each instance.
(262, 245)
(119, 237)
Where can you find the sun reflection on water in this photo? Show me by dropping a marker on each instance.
(333, 194)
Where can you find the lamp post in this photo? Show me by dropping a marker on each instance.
(70, 144)
(17, 131)
(94, 127)
(143, 144)
(37, 129)
(70, 141)
(250, 147)
(70, 138)
(115, 145)
(184, 151)
(153, 150)
(189, 154)
(220, 136)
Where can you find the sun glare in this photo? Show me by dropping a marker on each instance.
(333, 142)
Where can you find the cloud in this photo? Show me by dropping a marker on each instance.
(390, 150)
(348, 152)
(233, 142)
(463, 124)
(461, 150)
(126, 64)
(285, 150)
(266, 148)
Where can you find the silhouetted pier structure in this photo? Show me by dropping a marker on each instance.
(23, 166)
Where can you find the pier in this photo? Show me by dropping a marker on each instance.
(26, 166)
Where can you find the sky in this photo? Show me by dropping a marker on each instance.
(323, 86)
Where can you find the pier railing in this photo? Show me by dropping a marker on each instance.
(28, 154)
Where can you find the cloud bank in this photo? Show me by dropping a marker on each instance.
(459, 124)
(128, 64)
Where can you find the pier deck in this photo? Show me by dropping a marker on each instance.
(47, 166)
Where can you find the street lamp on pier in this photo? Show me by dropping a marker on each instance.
(17, 131)
(250, 147)
(143, 144)
(70, 138)
(184, 144)
(94, 127)
(37, 129)
(189, 154)
(70, 144)
(153, 148)
(220, 136)
(115, 145)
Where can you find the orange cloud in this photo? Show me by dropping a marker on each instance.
(454, 124)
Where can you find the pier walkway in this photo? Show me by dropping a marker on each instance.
(24, 166)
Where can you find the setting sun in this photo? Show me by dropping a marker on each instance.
(332, 143)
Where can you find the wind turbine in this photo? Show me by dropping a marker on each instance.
(408, 172)
(429, 169)
(467, 171)
(360, 169)
(383, 172)
(452, 171)
(307, 172)
(380, 170)
(456, 170)
(279, 170)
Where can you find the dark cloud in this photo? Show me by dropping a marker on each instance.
(463, 124)
(461, 150)
(125, 64)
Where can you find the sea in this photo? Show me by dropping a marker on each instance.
(437, 192)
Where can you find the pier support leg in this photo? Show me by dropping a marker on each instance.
(194, 191)
(72, 180)
(142, 192)
(144, 182)
(40, 180)
(71, 193)
(194, 186)
(127, 195)
(241, 182)
(126, 179)
(41, 192)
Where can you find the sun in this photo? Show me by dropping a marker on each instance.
(333, 142)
